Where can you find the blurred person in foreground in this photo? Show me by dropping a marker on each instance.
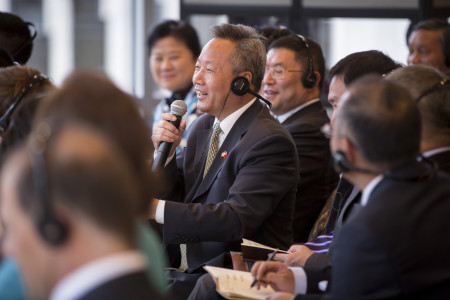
(21, 90)
(69, 213)
(92, 98)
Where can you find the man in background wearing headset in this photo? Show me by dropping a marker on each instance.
(69, 215)
(429, 44)
(389, 248)
(292, 83)
(245, 190)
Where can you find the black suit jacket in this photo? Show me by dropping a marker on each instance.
(442, 160)
(248, 192)
(395, 246)
(317, 176)
(135, 286)
(318, 266)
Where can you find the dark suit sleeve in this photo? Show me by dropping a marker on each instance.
(243, 196)
(357, 251)
(317, 268)
(172, 186)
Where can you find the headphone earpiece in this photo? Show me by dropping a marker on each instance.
(341, 164)
(309, 79)
(240, 86)
(52, 230)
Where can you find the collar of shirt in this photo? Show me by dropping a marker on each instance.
(229, 121)
(435, 151)
(284, 116)
(87, 277)
(369, 188)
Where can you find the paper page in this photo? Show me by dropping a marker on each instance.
(255, 244)
(236, 284)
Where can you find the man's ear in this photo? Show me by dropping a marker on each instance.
(318, 78)
(350, 151)
(248, 75)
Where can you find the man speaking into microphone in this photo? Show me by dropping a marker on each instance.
(237, 176)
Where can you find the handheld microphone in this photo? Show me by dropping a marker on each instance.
(178, 108)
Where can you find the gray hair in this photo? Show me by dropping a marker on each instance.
(249, 53)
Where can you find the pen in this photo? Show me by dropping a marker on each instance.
(268, 259)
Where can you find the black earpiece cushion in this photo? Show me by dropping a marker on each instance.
(240, 85)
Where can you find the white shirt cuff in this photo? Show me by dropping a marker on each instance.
(159, 214)
(300, 280)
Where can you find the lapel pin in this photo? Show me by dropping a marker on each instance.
(224, 154)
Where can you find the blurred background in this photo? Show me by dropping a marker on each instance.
(110, 35)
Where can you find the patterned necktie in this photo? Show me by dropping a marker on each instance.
(213, 147)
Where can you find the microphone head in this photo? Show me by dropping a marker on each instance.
(178, 108)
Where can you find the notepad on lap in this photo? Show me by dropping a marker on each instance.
(253, 251)
(233, 284)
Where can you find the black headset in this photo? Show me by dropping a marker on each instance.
(51, 229)
(241, 86)
(342, 165)
(441, 84)
(309, 79)
(6, 118)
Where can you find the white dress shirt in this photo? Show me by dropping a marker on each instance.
(283, 117)
(88, 277)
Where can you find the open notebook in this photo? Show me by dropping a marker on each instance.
(253, 251)
(233, 284)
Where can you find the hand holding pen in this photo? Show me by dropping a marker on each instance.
(273, 273)
(268, 259)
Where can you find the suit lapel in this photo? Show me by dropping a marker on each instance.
(349, 203)
(234, 136)
(201, 151)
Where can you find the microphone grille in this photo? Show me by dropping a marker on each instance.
(178, 107)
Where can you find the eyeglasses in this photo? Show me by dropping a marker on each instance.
(278, 73)
(327, 130)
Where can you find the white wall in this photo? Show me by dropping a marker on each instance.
(354, 35)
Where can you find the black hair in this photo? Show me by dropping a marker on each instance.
(355, 65)
(16, 39)
(295, 44)
(440, 25)
(271, 33)
(180, 30)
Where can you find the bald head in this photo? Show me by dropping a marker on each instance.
(431, 93)
(381, 120)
